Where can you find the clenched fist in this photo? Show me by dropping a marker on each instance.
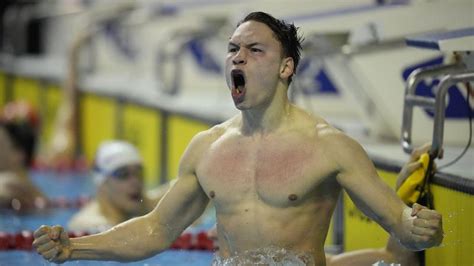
(52, 243)
(426, 227)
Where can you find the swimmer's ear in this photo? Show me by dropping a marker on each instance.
(287, 68)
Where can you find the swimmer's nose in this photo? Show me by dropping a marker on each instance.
(240, 57)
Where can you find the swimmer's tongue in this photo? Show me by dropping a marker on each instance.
(239, 83)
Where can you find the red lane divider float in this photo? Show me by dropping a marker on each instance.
(65, 203)
(61, 165)
(24, 240)
(40, 204)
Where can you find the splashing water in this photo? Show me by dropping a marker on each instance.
(382, 263)
(271, 256)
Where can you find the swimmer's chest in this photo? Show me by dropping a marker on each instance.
(277, 170)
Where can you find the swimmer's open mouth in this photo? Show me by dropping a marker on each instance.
(136, 196)
(238, 83)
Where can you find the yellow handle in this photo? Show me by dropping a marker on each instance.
(411, 188)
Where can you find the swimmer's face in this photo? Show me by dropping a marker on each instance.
(9, 155)
(253, 65)
(125, 188)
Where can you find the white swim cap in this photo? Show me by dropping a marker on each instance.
(112, 155)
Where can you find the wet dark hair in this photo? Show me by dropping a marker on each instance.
(23, 137)
(285, 33)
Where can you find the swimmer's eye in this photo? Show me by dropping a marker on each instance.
(232, 50)
(256, 50)
(124, 173)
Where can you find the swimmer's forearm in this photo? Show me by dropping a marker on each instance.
(135, 239)
(403, 231)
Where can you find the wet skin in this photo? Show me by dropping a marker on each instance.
(279, 191)
(273, 173)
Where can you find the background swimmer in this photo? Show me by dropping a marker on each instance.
(118, 173)
(18, 137)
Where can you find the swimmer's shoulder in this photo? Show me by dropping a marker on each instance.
(315, 125)
(335, 143)
(8, 176)
(333, 137)
(89, 219)
(324, 134)
(201, 143)
(90, 209)
(6, 179)
(14, 183)
(207, 137)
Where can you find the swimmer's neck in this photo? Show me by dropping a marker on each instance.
(266, 119)
(111, 213)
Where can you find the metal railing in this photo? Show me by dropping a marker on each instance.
(451, 74)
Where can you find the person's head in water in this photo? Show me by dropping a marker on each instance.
(118, 172)
(18, 135)
(285, 33)
(263, 53)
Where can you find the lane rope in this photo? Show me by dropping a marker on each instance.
(187, 241)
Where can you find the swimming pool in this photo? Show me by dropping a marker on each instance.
(68, 188)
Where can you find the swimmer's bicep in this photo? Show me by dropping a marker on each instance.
(185, 200)
(353, 165)
(186, 193)
(193, 153)
(359, 178)
(180, 207)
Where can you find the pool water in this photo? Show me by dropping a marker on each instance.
(70, 187)
(170, 257)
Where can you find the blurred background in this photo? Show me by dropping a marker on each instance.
(151, 72)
